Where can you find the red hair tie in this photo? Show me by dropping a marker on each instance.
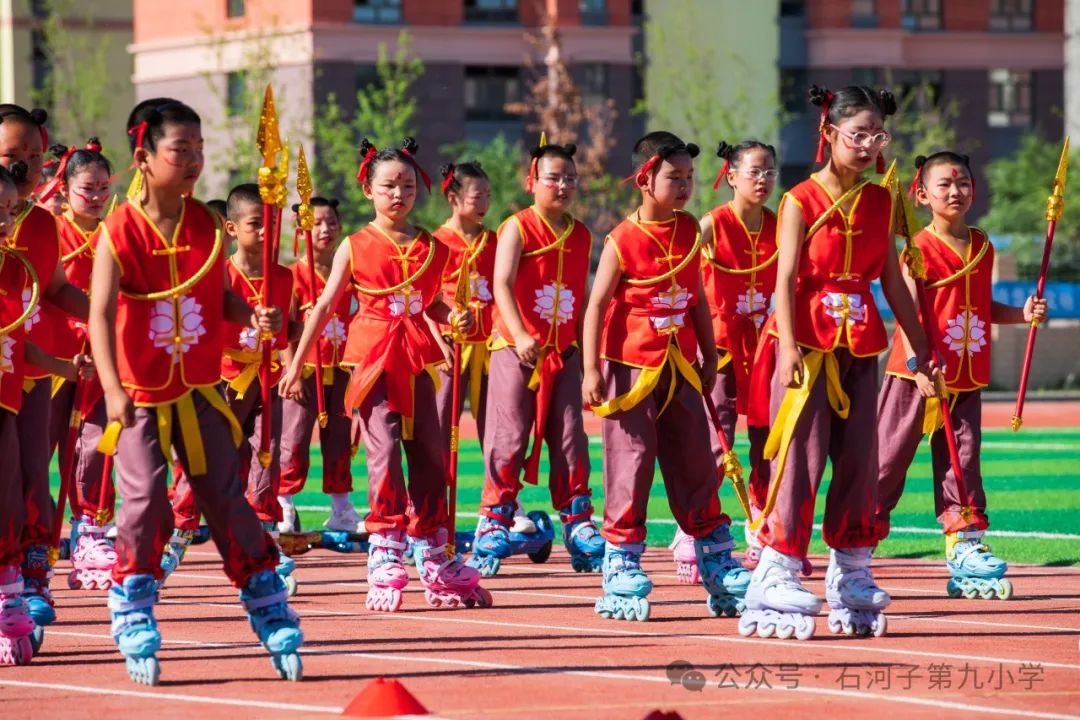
(642, 176)
(532, 174)
(58, 178)
(423, 175)
(139, 133)
(362, 172)
(720, 176)
(448, 180)
(915, 182)
(44, 131)
(820, 157)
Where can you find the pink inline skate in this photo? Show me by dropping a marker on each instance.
(448, 582)
(92, 558)
(16, 625)
(386, 573)
(686, 565)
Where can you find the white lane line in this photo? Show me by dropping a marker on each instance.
(175, 697)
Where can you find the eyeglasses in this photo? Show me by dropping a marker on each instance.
(759, 174)
(567, 181)
(863, 139)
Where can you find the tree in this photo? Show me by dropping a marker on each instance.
(923, 124)
(1020, 185)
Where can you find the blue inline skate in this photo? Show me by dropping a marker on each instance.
(581, 536)
(491, 544)
(286, 565)
(975, 570)
(723, 576)
(134, 628)
(174, 552)
(277, 625)
(626, 586)
(855, 600)
(37, 574)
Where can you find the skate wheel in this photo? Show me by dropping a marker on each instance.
(37, 637)
(988, 593)
(16, 651)
(290, 584)
(643, 609)
(145, 671)
(73, 580)
(483, 598)
(289, 666)
(881, 625)
(766, 630)
(953, 588)
(804, 630)
(970, 593)
(785, 632)
(1005, 589)
(747, 626)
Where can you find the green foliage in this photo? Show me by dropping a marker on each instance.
(921, 126)
(384, 114)
(1019, 186)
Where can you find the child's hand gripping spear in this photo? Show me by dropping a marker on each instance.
(1055, 206)
(272, 192)
(305, 221)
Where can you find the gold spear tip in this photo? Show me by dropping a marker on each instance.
(890, 175)
(268, 139)
(303, 177)
(543, 138)
(1063, 164)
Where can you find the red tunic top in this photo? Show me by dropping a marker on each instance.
(833, 304)
(739, 276)
(167, 345)
(394, 285)
(242, 346)
(550, 283)
(651, 305)
(481, 255)
(961, 294)
(77, 255)
(13, 279)
(331, 345)
(35, 236)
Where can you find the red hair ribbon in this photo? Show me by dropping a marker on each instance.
(720, 176)
(915, 182)
(820, 157)
(362, 172)
(58, 178)
(423, 175)
(139, 132)
(448, 180)
(44, 137)
(641, 177)
(532, 174)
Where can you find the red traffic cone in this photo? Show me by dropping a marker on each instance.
(384, 698)
(663, 715)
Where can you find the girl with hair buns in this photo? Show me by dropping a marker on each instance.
(396, 270)
(819, 362)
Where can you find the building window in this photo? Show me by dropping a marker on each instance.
(593, 12)
(491, 11)
(870, 77)
(367, 76)
(922, 15)
(921, 88)
(793, 85)
(1014, 15)
(1010, 99)
(792, 8)
(234, 8)
(637, 10)
(236, 94)
(490, 95)
(376, 11)
(864, 13)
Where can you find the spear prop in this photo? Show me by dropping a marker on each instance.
(731, 466)
(272, 192)
(305, 221)
(905, 225)
(1055, 206)
(461, 302)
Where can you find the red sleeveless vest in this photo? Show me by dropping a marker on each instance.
(481, 256)
(242, 346)
(77, 255)
(331, 345)
(13, 279)
(35, 236)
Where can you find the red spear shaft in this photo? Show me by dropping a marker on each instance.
(320, 398)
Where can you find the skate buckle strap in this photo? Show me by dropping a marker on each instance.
(384, 541)
(119, 604)
(585, 514)
(182, 537)
(851, 561)
(281, 596)
(504, 512)
(582, 527)
(969, 534)
(492, 525)
(122, 622)
(709, 548)
(13, 588)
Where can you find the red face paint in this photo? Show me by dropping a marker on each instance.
(955, 172)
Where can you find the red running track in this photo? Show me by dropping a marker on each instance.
(541, 652)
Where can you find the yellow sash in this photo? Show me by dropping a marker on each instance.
(252, 360)
(791, 408)
(646, 382)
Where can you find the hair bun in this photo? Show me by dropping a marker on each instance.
(296, 207)
(819, 96)
(535, 152)
(39, 116)
(723, 150)
(692, 150)
(93, 144)
(888, 102)
(446, 169)
(58, 149)
(366, 145)
(410, 145)
(570, 149)
(920, 160)
(19, 170)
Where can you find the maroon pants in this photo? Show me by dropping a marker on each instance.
(88, 468)
(511, 409)
(723, 397)
(389, 497)
(33, 426)
(261, 482)
(820, 436)
(900, 421)
(635, 440)
(145, 521)
(444, 401)
(12, 505)
(298, 422)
